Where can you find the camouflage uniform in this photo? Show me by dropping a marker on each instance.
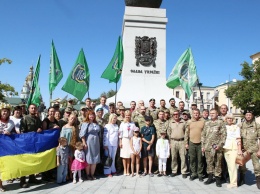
(152, 112)
(172, 109)
(120, 119)
(250, 134)
(214, 132)
(162, 109)
(139, 120)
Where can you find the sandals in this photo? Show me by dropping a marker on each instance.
(144, 174)
(2, 189)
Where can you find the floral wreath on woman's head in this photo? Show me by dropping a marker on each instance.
(5, 106)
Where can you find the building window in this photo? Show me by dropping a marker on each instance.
(208, 107)
(201, 108)
(186, 96)
(236, 121)
(208, 95)
(230, 109)
(194, 94)
(177, 94)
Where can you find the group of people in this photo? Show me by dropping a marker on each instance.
(146, 140)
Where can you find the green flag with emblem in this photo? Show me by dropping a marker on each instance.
(55, 69)
(184, 73)
(35, 94)
(114, 68)
(77, 83)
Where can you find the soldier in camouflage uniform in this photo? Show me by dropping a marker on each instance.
(160, 125)
(162, 106)
(167, 115)
(112, 109)
(172, 107)
(82, 116)
(137, 110)
(152, 110)
(139, 118)
(213, 138)
(122, 115)
(250, 135)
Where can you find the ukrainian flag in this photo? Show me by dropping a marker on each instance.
(28, 153)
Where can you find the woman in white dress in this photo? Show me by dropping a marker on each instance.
(110, 143)
(126, 131)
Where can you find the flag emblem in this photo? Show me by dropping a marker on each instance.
(184, 73)
(78, 74)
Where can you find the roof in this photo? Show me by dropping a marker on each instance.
(13, 101)
(227, 83)
(253, 56)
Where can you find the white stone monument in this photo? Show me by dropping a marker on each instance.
(144, 37)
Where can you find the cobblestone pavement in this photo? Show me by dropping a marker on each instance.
(126, 184)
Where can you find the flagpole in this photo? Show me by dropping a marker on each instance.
(201, 97)
(88, 94)
(50, 98)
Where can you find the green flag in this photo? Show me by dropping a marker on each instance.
(77, 83)
(114, 69)
(35, 95)
(184, 73)
(55, 69)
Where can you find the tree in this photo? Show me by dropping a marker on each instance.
(6, 87)
(245, 94)
(5, 60)
(108, 94)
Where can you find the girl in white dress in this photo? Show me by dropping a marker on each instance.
(136, 146)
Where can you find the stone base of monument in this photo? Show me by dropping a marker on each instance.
(144, 69)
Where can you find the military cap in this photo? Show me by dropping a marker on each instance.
(22, 104)
(193, 103)
(171, 99)
(83, 107)
(185, 112)
(99, 109)
(111, 104)
(68, 109)
(248, 111)
(121, 108)
(163, 131)
(152, 99)
(56, 106)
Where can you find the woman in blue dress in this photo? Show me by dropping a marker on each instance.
(90, 135)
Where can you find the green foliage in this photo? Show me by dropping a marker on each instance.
(245, 94)
(5, 60)
(108, 94)
(6, 88)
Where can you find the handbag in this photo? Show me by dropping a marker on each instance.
(107, 160)
(242, 159)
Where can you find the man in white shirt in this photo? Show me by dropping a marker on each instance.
(103, 105)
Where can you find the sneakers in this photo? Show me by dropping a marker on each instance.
(80, 180)
(74, 181)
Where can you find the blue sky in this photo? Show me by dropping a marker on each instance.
(221, 33)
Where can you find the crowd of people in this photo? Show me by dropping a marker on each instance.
(140, 141)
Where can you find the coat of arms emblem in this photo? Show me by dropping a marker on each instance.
(145, 51)
(78, 74)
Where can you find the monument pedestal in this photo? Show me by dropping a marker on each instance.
(144, 81)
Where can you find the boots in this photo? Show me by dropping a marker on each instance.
(210, 179)
(258, 182)
(218, 182)
(241, 179)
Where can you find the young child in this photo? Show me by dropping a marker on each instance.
(63, 154)
(162, 152)
(148, 135)
(79, 162)
(136, 146)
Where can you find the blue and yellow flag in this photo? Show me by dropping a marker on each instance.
(28, 153)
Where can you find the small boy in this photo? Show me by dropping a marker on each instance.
(148, 136)
(162, 152)
(63, 154)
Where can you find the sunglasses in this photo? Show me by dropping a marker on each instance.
(136, 131)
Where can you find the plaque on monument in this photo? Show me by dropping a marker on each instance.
(144, 3)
